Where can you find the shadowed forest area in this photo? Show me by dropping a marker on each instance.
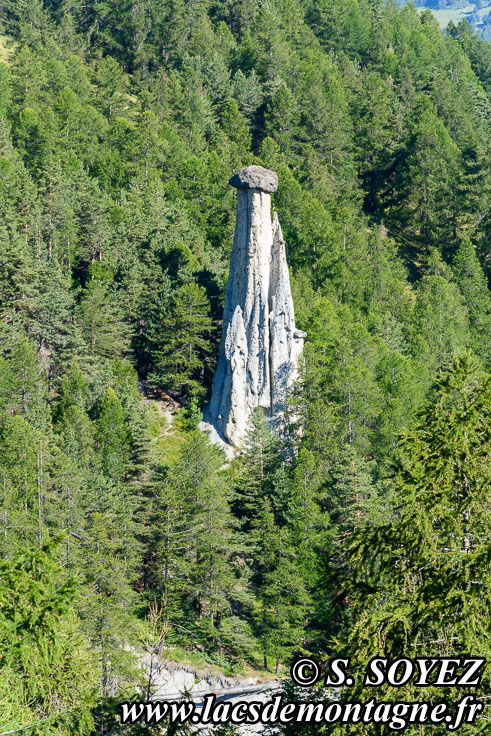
(364, 527)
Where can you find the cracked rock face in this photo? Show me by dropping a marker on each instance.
(260, 344)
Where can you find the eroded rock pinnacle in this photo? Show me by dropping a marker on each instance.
(260, 344)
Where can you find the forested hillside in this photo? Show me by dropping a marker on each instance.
(476, 14)
(120, 125)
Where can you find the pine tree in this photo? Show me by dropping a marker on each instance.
(23, 389)
(354, 385)
(257, 467)
(74, 390)
(441, 320)
(169, 545)
(185, 347)
(425, 212)
(100, 317)
(199, 550)
(281, 607)
(248, 92)
(111, 86)
(235, 126)
(282, 117)
(47, 670)
(378, 131)
(22, 499)
(111, 436)
(153, 308)
(106, 602)
(472, 283)
(351, 494)
(351, 500)
(50, 321)
(308, 521)
(420, 581)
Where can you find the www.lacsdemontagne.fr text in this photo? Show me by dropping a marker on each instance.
(396, 715)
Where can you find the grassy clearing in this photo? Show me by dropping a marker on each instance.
(444, 16)
(170, 442)
(199, 662)
(7, 49)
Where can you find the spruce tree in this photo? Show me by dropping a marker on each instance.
(281, 604)
(101, 320)
(441, 320)
(22, 502)
(47, 676)
(257, 467)
(185, 341)
(425, 209)
(200, 566)
(111, 435)
(308, 520)
(420, 584)
(472, 283)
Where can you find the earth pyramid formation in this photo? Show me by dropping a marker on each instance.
(260, 344)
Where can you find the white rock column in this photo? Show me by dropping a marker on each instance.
(286, 341)
(260, 345)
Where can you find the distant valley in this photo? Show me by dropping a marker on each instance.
(478, 14)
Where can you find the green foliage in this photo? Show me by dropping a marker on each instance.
(257, 466)
(426, 182)
(111, 435)
(420, 582)
(282, 597)
(198, 565)
(470, 279)
(120, 126)
(47, 667)
(186, 343)
(437, 299)
(100, 318)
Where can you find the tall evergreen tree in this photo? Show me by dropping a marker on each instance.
(472, 283)
(111, 436)
(120, 126)
(438, 299)
(420, 582)
(426, 212)
(47, 682)
(281, 608)
(257, 466)
(185, 347)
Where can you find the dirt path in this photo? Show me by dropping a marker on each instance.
(166, 406)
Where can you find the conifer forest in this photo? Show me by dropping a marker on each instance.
(361, 529)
